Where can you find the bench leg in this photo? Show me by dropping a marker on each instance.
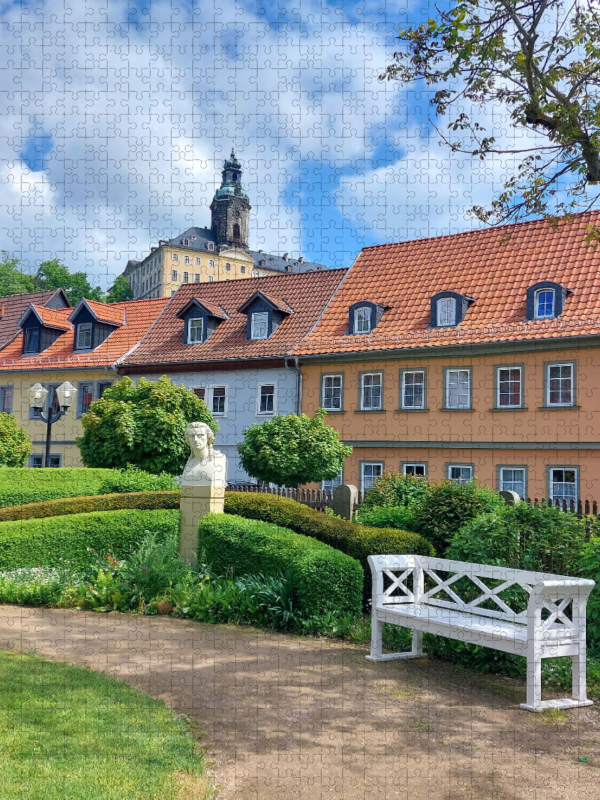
(377, 653)
(534, 686)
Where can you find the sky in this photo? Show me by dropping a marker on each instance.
(117, 117)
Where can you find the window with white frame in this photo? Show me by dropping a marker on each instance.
(211, 263)
(227, 267)
(219, 398)
(332, 392)
(85, 396)
(198, 261)
(255, 273)
(544, 303)
(259, 325)
(186, 277)
(174, 257)
(196, 277)
(266, 398)
(370, 391)
(102, 387)
(563, 484)
(186, 260)
(200, 392)
(509, 387)
(37, 461)
(560, 384)
(362, 320)
(195, 329)
(458, 388)
(242, 270)
(446, 312)
(84, 336)
(210, 246)
(173, 274)
(512, 479)
(331, 486)
(369, 472)
(416, 470)
(6, 399)
(413, 389)
(211, 278)
(460, 473)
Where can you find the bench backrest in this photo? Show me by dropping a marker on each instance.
(484, 590)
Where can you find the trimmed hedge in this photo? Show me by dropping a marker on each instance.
(19, 485)
(88, 503)
(358, 541)
(80, 538)
(323, 578)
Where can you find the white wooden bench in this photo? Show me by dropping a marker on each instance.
(480, 604)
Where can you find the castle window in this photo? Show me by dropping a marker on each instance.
(236, 231)
(198, 262)
(255, 273)
(211, 278)
(186, 259)
(174, 257)
(186, 277)
(228, 267)
(196, 277)
(210, 246)
(186, 242)
(211, 263)
(173, 274)
(194, 238)
(243, 270)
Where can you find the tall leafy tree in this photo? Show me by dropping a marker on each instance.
(54, 275)
(292, 450)
(120, 291)
(141, 425)
(14, 443)
(12, 280)
(535, 63)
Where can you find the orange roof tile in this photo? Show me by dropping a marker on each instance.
(140, 315)
(54, 318)
(13, 307)
(104, 312)
(307, 294)
(494, 266)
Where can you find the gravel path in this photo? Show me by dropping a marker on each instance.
(288, 717)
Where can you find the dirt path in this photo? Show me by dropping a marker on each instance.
(285, 717)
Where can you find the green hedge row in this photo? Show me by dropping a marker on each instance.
(357, 541)
(18, 485)
(323, 578)
(79, 538)
(88, 503)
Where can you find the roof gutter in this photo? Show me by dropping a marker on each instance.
(295, 368)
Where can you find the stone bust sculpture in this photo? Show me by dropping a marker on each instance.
(205, 466)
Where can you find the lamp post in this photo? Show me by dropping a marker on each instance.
(37, 400)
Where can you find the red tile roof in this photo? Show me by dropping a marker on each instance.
(140, 316)
(13, 307)
(53, 318)
(308, 294)
(276, 302)
(494, 266)
(104, 312)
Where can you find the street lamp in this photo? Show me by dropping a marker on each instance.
(65, 393)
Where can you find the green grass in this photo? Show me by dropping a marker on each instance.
(18, 486)
(72, 734)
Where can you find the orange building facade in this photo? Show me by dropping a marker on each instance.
(468, 356)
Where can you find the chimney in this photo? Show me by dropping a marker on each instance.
(301, 259)
(285, 256)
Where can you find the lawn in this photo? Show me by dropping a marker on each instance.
(72, 734)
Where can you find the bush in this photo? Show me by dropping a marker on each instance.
(323, 578)
(447, 506)
(14, 442)
(88, 503)
(80, 538)
(541, 539)
(133, 479)
(392, 489)
(357, 541)
(19, 486)
(400, 517)
(589, 567)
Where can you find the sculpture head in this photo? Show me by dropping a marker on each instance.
(200, 438)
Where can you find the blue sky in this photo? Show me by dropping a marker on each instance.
(120, 115)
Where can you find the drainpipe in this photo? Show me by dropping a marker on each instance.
(296, 368)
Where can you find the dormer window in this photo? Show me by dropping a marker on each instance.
(210, 246)
(448, 309)
(259, 325)
(446, 312)
(544, 303)
(546, 300)
(186, 242)
(32, 340)
(195, 328)
(362, 320)
(84, 336)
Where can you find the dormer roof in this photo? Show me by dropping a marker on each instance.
(212, 309)
(275, 302)
(109, 313)
(48, 317)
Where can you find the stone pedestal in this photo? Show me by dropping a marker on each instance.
(196, 502)
(345, 498)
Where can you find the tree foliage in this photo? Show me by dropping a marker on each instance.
(119, 291)
(292, 450)
(535, 61)
(12, 281)
(141, 425)
(14, 443)
(54, 275)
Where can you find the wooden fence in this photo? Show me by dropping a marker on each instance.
(315, 498)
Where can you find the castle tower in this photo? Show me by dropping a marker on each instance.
(230, 208)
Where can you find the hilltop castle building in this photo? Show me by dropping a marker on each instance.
(218, 253)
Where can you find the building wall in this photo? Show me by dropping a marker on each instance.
(482, 437)
(66, 430)
(241, 405)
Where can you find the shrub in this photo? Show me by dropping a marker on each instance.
(589, 567)
(80, 538)
(447, 506)
(541, 539)
(19, 486)
(323, 578)
(400, 517)
(357, 541)
(88, 503)
(14, 442)
(290, 450)
(133, 479)
(141, 424)
(392, 489)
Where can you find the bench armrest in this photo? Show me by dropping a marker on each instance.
(560, 589)
(379, 564)
(547, 594)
